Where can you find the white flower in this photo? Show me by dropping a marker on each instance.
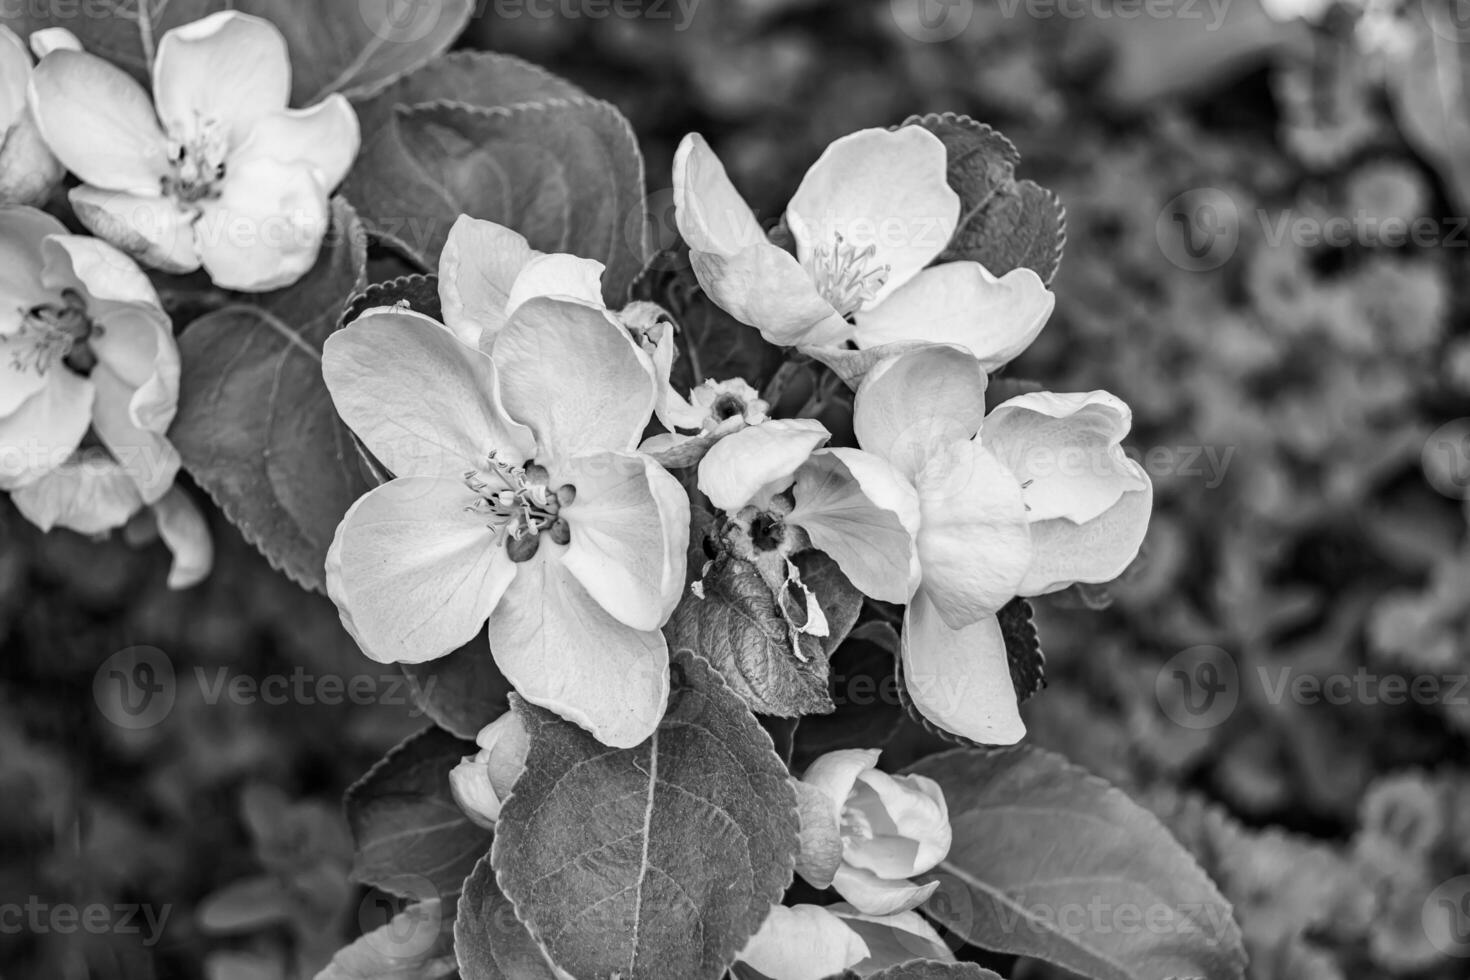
(488, 271)
(214, 170)
(813, 942)
(481, 782)
(518, 498)
(773, 480)
(89, 384)
(1032, 498)
(867, 833)
(869, 219)
(29, 172)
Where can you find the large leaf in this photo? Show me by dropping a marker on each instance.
(256, 427)
(350, 46)
(463, 692)
(927, 970)
(652, 863)
(415, 944)
(734, 621)
(412, 838)
(1051, 862)
(490, 943)
(1005, 223)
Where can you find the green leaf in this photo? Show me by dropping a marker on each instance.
(463, 692)
(566, 173)
(737, 625)
(256, 427)
(412, 838)
(490, 943)
(934, 970)
(865, 691)
(1004, 224)
(416, 944)
(350, 46)
(1051, 862)
(652, 863)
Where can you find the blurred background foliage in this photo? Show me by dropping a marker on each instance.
(1286, 395)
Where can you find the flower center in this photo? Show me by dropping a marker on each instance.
(519, 505)
(846, 276)
(52, 332)
(198, 163)
(855, 825)
(646, 323)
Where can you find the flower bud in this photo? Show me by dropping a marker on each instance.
(482, 782)
(875, 832)
(29, 172)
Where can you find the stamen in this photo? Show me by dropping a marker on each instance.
(52, 332)
(518, 504)
(198, 163)
(842, 275)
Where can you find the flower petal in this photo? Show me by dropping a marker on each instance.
(327, 136)
(564, 652)
(974, 542)
(863, 514)
(878, 896)
(229, 67)
(154, 230)
(265, 230)
(49, 39)
(560, 276)
(477, 269)
(186, 533)
(961, 303)
(630, 535)
(148, 458)
(422, 402)
(99, 122)
(909, 820)
(1066, 451)
(960, 679)
(888, 189)
(711, 215)
(820, 837)
(574, 376)
(764, 286)
(836, 773)
(1099, 550)
(22, 232)
(892, 939)
(89, 494)
(15, 77)
(747, 467)
(45, 429)
(803, 942)
(914, 404)
(415, 571)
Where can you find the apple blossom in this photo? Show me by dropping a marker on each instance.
(517, 498)
(482, 782)
(783, 492)
(214, 170)
(869, 219)
(487, 271)
(90, 386)
(814, 942)
(1028, 500)
(867, 833)
(29, 172)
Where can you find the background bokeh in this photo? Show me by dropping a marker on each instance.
(1267, 233)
